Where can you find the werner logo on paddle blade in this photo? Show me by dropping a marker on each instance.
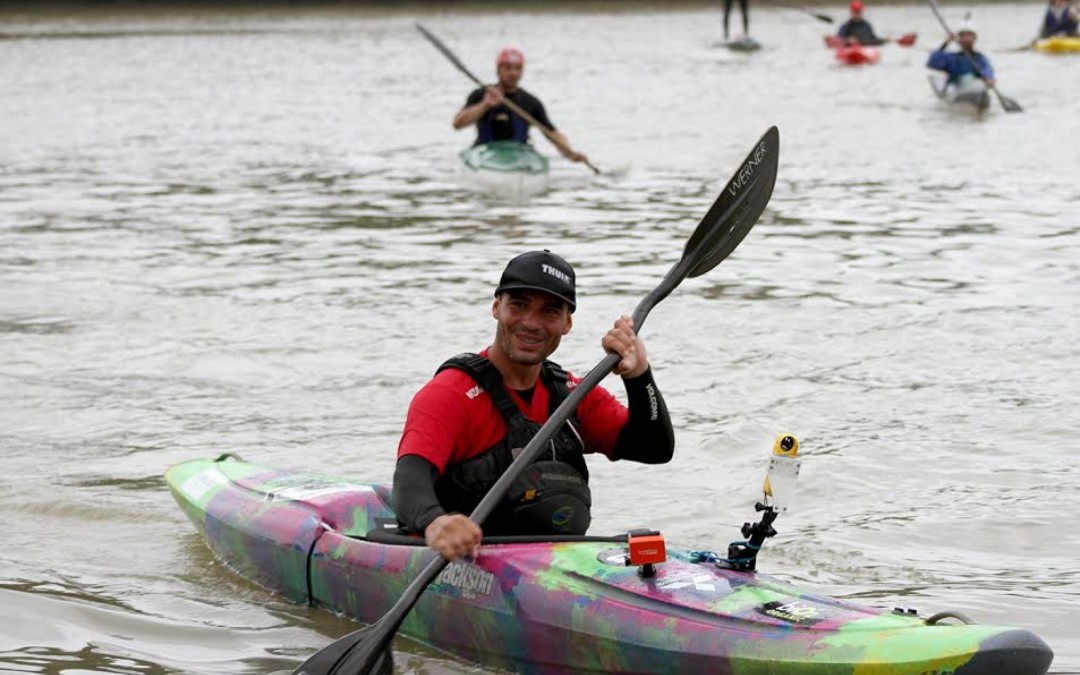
(746, 173)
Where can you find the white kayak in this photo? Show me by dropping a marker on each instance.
(968, 94)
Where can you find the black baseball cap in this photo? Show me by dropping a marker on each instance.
(540, 271)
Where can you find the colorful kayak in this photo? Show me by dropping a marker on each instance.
(507, 168)
(572, 605)
(970, 94)
(1059, 44)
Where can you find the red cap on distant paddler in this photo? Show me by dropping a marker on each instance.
(856, 6)
(510, 55)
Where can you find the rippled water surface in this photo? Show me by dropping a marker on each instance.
(243, 231)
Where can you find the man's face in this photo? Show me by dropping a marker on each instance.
(530, 325)
(510, 75)
(966, 39)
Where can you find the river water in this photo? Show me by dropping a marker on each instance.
(241, 230)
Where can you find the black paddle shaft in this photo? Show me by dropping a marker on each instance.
(725, 225)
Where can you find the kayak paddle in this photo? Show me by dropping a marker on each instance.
(825, 18)
(1007, 103)
(907, 39)
(727, 222)
(509, 104)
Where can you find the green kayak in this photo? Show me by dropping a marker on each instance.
(505, 157)
(505, 169)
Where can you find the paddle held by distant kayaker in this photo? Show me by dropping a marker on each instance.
(964, 64)
(466, 425)
(495, 121)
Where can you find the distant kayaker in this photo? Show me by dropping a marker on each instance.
(965, 64)
(1061, 19)
(857, 30)
(495, 121)
(465, 425)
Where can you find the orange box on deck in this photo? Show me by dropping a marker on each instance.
(646, 548)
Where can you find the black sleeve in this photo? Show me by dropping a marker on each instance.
(534, 107)
(647, 437)
(414, 497)
(475, 96)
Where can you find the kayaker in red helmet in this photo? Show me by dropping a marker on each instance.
(495, 121)
(465, 424)
(857, 30)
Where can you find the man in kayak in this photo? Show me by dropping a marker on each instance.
(495, 121)
(1061, 19)
(465, 426)
(966, 65)
(857, 30)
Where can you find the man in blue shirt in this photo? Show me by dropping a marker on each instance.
(964, 64)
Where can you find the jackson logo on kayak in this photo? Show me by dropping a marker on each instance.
(747, 170)
(466, 578)
(794, 611)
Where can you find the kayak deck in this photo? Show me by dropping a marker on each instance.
(504, 157)
(568, 604)
(1058, 44)
(505, 170)
(852, 55)
(970, 95)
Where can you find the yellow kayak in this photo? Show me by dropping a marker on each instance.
(1059, 44)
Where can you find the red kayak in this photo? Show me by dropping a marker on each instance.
(852, 55)
(857, 55)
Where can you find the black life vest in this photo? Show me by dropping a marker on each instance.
(552, 497)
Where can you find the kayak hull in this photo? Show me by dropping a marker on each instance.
(505, 169)
(572, 605)
(1059, 44)
(969, 95)
(857, 55)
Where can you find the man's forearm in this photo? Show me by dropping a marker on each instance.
(415, 502)
(648, 436)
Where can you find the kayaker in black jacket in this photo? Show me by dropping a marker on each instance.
(495, 121)
(464, 426)
(857, 30)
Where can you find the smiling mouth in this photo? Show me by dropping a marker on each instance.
(529, 341)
